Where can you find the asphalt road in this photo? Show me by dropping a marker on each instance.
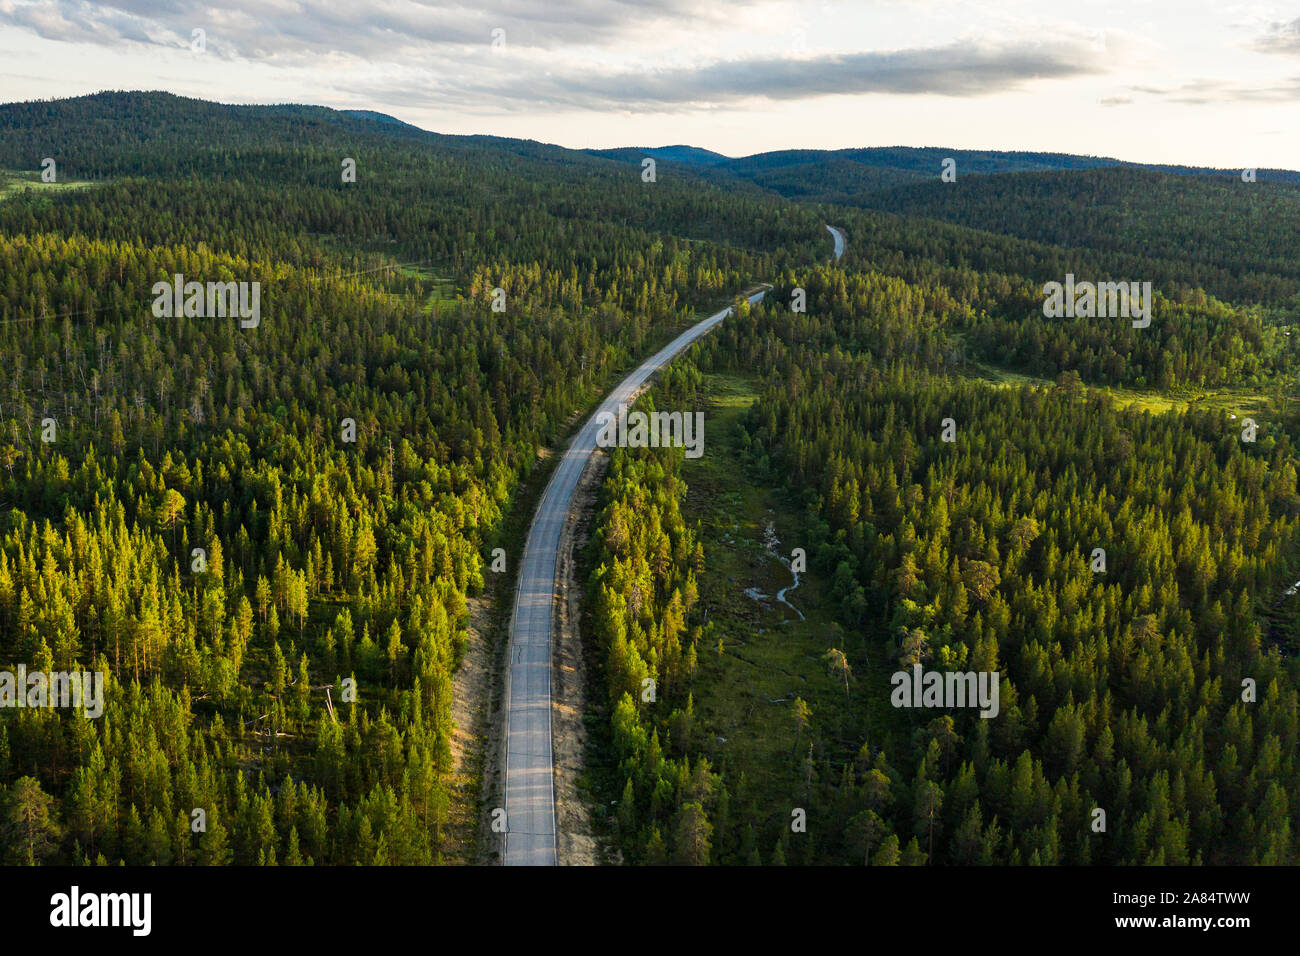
(530, 786)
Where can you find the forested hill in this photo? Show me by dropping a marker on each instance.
(1243, 228)
(503, 190)
(1194, 226)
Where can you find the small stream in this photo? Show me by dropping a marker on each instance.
(770, 542)
(780, 595)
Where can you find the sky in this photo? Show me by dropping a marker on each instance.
(1187, 82)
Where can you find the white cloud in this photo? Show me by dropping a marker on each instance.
(725, 74)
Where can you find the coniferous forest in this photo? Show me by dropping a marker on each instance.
(276, 540)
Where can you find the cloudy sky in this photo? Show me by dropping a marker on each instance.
(1197, 82)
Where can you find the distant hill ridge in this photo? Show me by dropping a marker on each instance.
(881, 165)
(915, 161)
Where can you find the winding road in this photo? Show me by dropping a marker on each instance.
(530, 838)
(838, 236)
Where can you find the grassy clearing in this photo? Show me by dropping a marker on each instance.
(744, 694)
(15, 182)
(1236, 401)
(442, 289)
